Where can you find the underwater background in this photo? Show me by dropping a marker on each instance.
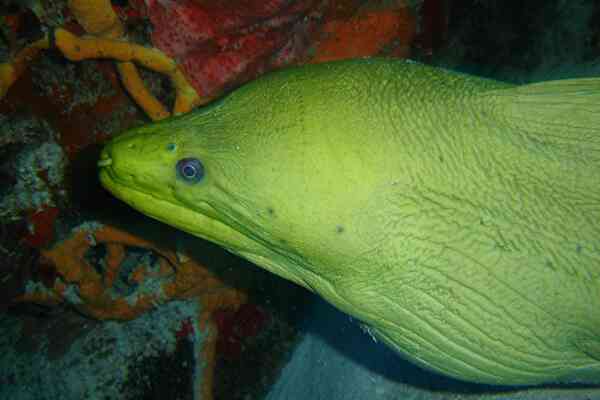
(98, 301)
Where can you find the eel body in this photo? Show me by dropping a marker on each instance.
(457, 217)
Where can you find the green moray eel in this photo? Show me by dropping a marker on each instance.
(457, 217)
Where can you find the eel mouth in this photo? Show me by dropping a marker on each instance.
(105, 162)
(194, 223)
(171, 212)
(125, 190)
(105, 159)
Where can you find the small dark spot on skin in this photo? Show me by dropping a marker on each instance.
(270, 211)
(441, 159)
(171, 147)
(579, 249)
(339, 229)
(501, 246)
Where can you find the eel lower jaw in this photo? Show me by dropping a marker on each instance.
(194, 223)
(171, 213)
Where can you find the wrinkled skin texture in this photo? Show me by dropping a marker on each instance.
(456, 217)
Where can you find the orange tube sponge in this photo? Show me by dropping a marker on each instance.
(135, 86)
(89, 282)
(11, 71)
(79, 48)
(97, 17)
(95, 286)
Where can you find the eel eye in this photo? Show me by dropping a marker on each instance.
(190, 170)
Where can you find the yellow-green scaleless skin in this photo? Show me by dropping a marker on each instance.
(457, 217)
